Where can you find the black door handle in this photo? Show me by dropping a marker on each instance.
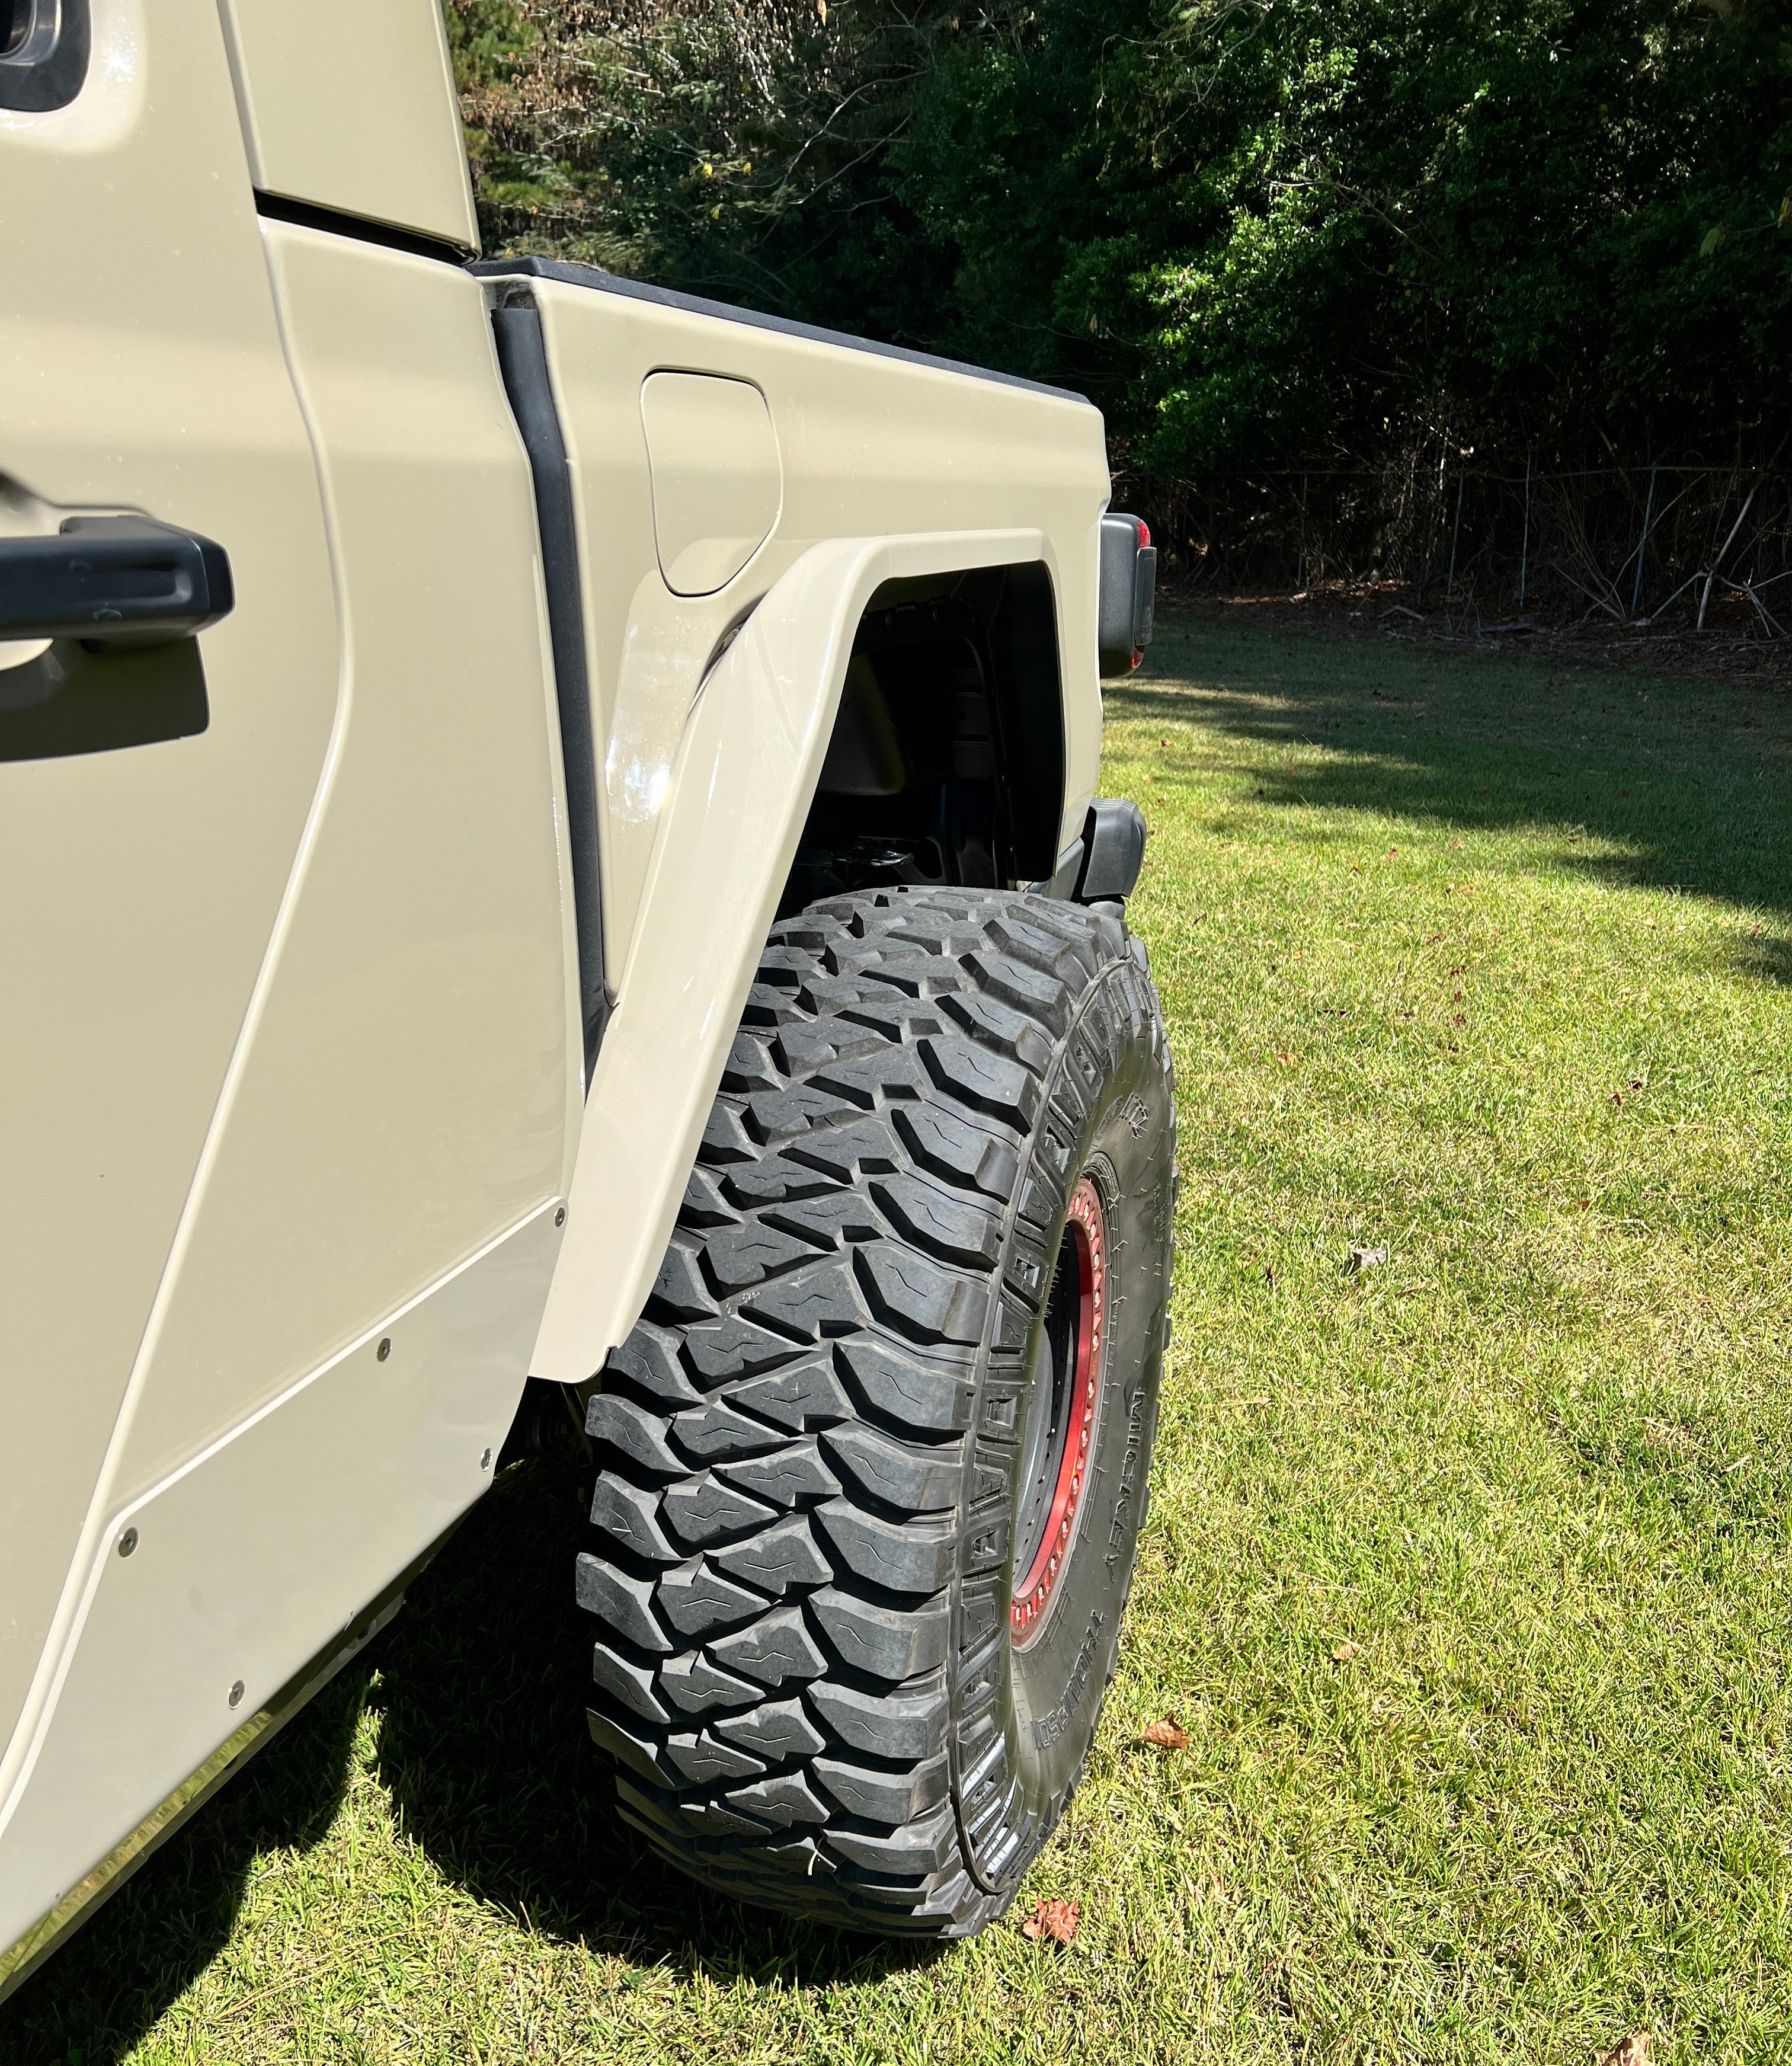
(124, 579)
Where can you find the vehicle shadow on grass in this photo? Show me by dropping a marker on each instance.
(112, 1981)
(484, 1748)
(1691, 782)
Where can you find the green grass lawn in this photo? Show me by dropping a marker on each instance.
(1466, 1571)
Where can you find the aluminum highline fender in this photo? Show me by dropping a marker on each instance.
(745, 772)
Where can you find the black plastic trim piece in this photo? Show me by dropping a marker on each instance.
(113, 578)
(1113, 837)
(637, 290)
(523, 362)
(1128, 594)
(338, 222)
(47, 64)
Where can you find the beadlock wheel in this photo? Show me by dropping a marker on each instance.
(1061, 1414)
(870, 1469)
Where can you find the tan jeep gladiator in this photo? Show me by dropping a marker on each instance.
(550, 862)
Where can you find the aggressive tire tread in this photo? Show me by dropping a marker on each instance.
(805, 1450)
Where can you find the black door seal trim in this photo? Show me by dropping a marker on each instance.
(523, 362)
(338, 222)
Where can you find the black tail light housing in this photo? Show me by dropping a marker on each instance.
(1128, 593)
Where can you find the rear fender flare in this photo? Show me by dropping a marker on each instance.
(745, 775)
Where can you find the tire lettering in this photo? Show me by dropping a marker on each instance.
(1118, 1533)
(1049, 1727)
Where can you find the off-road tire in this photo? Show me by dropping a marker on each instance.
(809, 1452)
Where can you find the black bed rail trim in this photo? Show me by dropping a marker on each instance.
(665, 297)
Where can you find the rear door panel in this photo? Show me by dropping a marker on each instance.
(406, 1100)
(141, 367)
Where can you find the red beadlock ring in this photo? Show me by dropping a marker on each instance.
(1088, 1224)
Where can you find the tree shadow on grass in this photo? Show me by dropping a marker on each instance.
(484, 1749)
(1691, 781)
(111, 1983)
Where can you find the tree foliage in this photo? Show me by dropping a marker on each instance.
(1256, 230)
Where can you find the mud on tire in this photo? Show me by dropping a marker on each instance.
(871, 1470)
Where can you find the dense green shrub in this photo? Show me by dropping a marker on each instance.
(1256, 230)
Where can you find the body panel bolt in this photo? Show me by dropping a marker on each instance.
(560, 1216)
(126, 1542)
(384, 1349)
(485, 1459)
(236, 1694)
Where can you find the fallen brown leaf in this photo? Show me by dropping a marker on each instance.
(1633, 2052)
(1284, 1058)
(1341, 1650)
(1053, 1918)
(1165, 1735)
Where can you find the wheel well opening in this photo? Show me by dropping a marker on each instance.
(946, 764)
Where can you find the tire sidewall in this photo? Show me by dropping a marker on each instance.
(1125, 1145)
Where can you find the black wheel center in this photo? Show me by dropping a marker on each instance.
(1048, 1409)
